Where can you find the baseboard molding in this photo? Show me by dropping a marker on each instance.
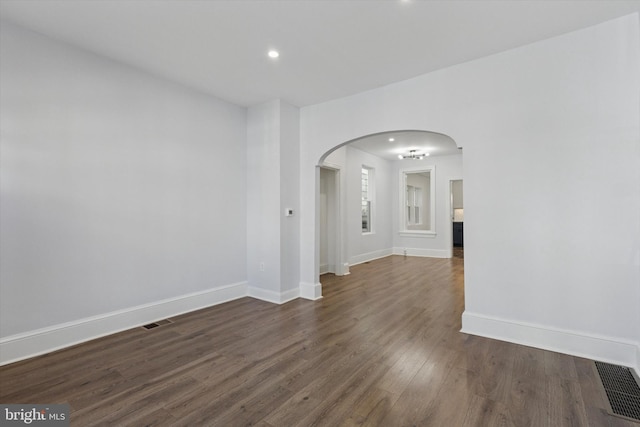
(331, 268)
(420, 252)
(273, 297)
(605, 349)
(34, 343)
(369, 256)
(289, 295)
(344, 269)
(311, 291)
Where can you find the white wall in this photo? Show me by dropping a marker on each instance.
(289, 198)
(119, 191)
(364, 247)
(272, 169)
(263, 199)
(551, 134)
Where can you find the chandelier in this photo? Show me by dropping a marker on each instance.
(413, 154)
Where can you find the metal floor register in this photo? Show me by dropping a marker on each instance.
(622, 390)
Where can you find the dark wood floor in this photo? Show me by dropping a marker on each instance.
(382, 349)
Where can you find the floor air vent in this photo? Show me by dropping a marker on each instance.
(158, 323)
(622, 390)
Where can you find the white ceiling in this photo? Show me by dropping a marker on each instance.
(329, 48)
(435, 144)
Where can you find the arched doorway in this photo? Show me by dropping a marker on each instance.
(361, 198)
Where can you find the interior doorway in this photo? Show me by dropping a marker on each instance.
(340, 240)
(457, 218)
(329, 220)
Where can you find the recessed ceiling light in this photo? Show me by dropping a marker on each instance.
(273, 53)
(391, 139)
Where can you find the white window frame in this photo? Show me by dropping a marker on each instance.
(408, 204)
(368, 198)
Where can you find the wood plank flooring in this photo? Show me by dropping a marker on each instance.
(382, 348)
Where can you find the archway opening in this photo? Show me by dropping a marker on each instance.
(365, 207)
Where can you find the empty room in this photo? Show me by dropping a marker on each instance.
(295, 213)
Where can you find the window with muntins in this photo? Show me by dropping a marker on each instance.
(417, 202)
(367, 195)
(414, 205)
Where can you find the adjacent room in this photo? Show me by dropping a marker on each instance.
(316, 212)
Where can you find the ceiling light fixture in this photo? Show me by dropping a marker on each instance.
(391, 139)
(273, 53)
(413, 155)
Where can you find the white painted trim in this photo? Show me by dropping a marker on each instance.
(370, 256)
(429, 253)
(328, 165)
(417, 233)
(273, 297)
(289, 295)
(637, 367)
(344, 270)
(324, 268)
(403, 202)
(41, 341)
(602, 348)
(338, 270)
(264, 295)
(312, 291)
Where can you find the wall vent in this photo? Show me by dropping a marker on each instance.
(158, 323)
(622, 390)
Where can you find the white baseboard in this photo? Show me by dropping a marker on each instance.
(429, 253)
(604, 349)
(312, 291)
(289, 295)
(418, 252)
(344, 269)
(33, 343)
(330, 268)
(370, 256)
(273, 297)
